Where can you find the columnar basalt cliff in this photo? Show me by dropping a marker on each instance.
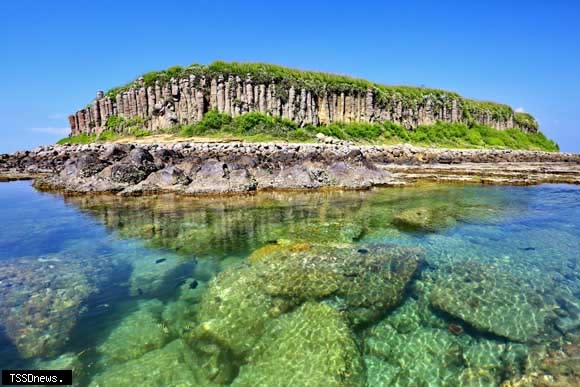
(183, 95)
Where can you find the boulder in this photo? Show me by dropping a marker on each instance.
(428, 219)
(490, 300)
(312, 346)
(137, 333)
(172, 365)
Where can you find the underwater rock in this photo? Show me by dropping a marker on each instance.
(240, 302)
(234, 310)
(66, 361)
(491, 300)
(42, 298)
(179, 315)
(423, 356)
(138, 333)
(156, 276)
(334, 232)
(559, 367)
(312, 346)
(364, 286)
(282, 247)
(412, 346)
(172, 365)
(424, 219)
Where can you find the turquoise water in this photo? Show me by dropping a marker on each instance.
(427, 285)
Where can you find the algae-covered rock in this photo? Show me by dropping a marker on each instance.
(66, 361)
(424, 356)
(179, 315)
(424, 219)
(138, 333)
(234, 312)
(41, 299)
(155, 275)
(172, 365)
(312, 346)
(490, 300)
(330, 232)
(485, 355)
(362, 281)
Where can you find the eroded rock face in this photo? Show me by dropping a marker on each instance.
(491, 300)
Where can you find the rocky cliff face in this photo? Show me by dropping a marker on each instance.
(184, 99)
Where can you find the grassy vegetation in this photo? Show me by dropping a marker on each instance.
(82, 138)
(441, 134)
(251, 125)
(262, 127)
(320, 81)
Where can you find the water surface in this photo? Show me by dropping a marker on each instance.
(426, 285)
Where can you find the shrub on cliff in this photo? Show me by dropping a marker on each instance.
(257, 125)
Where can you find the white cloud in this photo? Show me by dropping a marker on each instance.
(520, 110)
(56, 116)
(60, 131)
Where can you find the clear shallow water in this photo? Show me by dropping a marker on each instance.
(429, 285)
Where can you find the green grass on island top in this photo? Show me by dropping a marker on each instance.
(259, 127)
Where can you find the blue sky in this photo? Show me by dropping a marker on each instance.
(56, 54)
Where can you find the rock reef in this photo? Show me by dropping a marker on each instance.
(238, 167)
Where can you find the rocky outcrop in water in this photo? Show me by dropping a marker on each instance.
(237, 167)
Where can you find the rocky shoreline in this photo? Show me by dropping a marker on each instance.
(237, 167)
